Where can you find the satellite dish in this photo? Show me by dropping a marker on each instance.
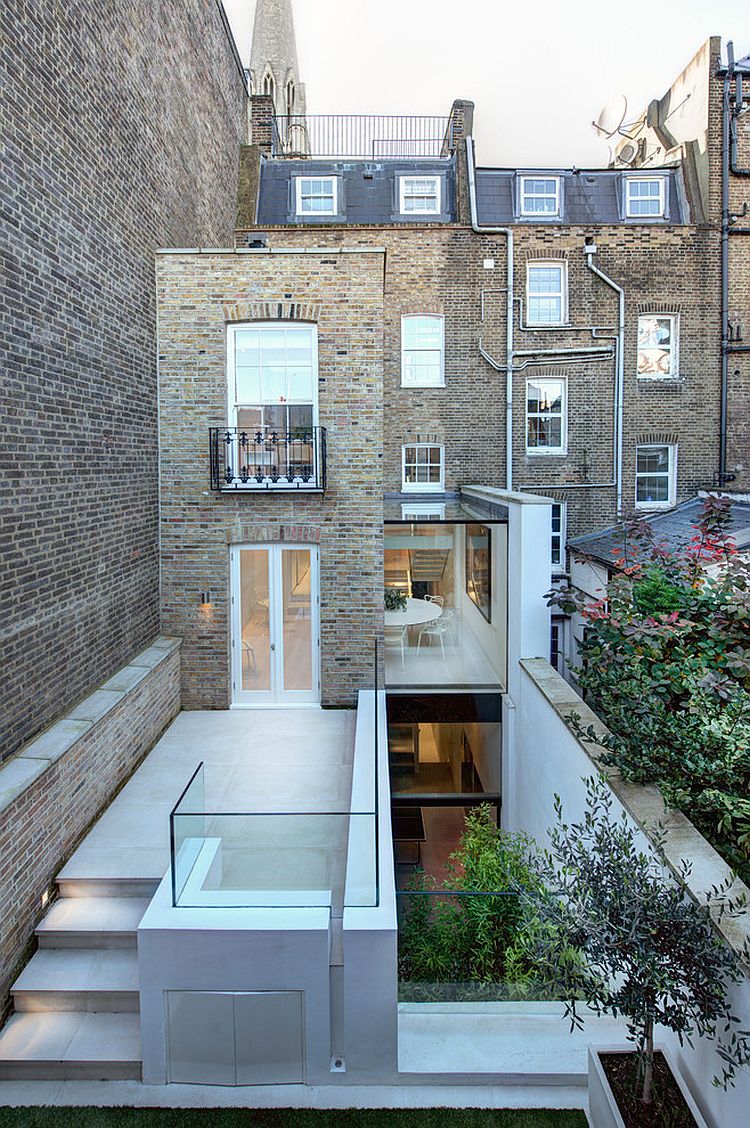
(611, 117)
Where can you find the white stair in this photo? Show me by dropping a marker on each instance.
(76, 1001)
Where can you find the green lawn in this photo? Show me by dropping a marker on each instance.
(285, 1118)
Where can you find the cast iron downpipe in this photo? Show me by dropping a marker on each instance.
(728, 166)
(508, 233)
(589, 249)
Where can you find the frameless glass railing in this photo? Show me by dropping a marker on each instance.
(466, 947)
(278, 859)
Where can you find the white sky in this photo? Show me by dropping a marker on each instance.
(538, 71)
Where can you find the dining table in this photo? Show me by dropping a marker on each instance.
(416, 613)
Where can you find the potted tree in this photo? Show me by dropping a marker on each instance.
(650, 955)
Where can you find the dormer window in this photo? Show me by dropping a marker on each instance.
(316, 195)
(540, 196)
(419, 195)
(645, 197)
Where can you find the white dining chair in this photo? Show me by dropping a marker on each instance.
(437, 629)
(393, 637)
(439, 599)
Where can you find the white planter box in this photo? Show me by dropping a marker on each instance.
(603, 1111)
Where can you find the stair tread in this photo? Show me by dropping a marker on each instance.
(80, 969)
(94, 914)
(71, 1036)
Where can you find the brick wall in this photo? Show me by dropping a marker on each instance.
(673, 269)
(56, 788)
(343, 294)
(123, 124)
(738, 379)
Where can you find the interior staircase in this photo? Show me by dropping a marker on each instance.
(76, 1001)
(427, 565)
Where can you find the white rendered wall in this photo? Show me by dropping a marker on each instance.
(551, 761)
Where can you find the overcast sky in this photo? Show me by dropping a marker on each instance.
(538, 72)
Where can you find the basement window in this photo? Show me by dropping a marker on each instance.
(316, 195)
(419, 195)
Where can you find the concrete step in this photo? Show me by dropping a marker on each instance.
(78, 979)
(137, 887)
(71, 1046)
(92, 922)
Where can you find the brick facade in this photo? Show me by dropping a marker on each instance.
(440, 269)
(342, 294)
(71, 780)
(123, 125)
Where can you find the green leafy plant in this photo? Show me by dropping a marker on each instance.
(395, 599)
(649, 954)
(665, 663)
(472, 930)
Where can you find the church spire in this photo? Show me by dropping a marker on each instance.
(274, 69)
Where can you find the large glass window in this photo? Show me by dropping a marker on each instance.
(655, 476)
(422, 352)
(546, 293)
(273, 381)
(545, 417)
(479, 567)
(540, 196)
(644, 196)
(317, 195)
(423, 468)
(419, 195)
(657, 345)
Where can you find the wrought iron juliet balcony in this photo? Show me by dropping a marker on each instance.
(268, 459)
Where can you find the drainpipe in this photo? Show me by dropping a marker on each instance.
(589, 250)
(508, 233)
(728, 163)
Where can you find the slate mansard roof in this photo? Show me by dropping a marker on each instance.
(368, 191)
(674, 530)
(586, 196)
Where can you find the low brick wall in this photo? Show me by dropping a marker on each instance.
(57, 786)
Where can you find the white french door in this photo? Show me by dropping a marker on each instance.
(275, 625)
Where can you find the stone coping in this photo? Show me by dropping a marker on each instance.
(20, 771)
(493, 493)
(648, 809)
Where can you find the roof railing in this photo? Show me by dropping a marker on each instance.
(369, 137)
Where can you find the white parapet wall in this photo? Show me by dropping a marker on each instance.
(550, 761)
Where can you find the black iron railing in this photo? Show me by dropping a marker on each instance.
(268, 459)
(367, 137)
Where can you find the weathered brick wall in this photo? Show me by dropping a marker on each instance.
(441, 269)
(343, 293)
(122, 124)
(738, 381)
(45, 814)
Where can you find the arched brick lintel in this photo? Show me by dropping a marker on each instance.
(271, 311)
(274, 534)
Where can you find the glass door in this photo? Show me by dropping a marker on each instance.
(275, 632)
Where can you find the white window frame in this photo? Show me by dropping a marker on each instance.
(298, 194)
(440, 383)
(523, 195)
(674, 348)
(402, 194)
(422, 487)
(559, 566)
(661, 181)
(671, 476)
(300, 327)
(563, 448)
(562, 293)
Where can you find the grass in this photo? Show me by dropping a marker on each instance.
(64, 1117)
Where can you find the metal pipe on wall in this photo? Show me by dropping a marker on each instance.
(589, 249)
